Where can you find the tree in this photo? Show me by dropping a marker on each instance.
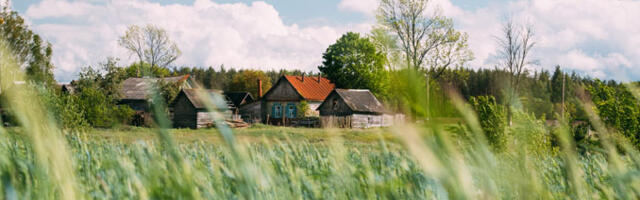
(514, 49)
(150, 44)
(556, 85)
(27, 48)
(617, 108)
(303, 109)
(97, 93)
(354, 62)
(247, 80)
(425, 38)
(387, 43)
(135, 70)
(428, 40)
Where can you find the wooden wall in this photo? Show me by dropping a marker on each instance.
(360, 121)
(184, 114)
(339, 109)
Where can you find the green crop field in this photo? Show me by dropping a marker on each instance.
(275, 163)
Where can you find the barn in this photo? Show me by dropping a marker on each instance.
(279, 105)
(134, 92)
(190, 108)
(350, 108)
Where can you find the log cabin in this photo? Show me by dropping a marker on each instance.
(190, 108)
(134, 92)
(279, 105)
(351, 108)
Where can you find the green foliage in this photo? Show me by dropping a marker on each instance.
(66, 110)
(97, 92)
(556, 86)
(531, 134)
(492, 120)
(354, 62)
(27, 48)
(169, 90)
(135, 70)
(303, 109)
(247, 80)
(100, 110)
(618, 108)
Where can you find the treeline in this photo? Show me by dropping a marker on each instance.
(221, 77)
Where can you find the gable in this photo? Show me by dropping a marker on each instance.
(311, 88)
(282, 91)
(334, 105)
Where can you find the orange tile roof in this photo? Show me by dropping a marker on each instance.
(311, 89)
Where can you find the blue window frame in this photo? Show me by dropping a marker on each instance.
(291, 110)
(276, 110)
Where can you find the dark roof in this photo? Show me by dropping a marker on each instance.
(137, 88)
(239, 98)
(311, 88)
(198, 101)
(360, 101)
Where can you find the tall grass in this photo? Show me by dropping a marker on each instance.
(40, 161)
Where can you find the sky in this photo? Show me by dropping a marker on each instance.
(595, 38)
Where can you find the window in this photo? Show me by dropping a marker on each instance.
(291, 110)
(276, 110)
(335, 104)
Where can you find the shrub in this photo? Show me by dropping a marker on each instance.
(492, 120)
(530, 133)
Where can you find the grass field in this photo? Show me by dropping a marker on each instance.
(252, 135)
(298, 163)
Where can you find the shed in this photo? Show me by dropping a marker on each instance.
(350, 108)
(190, 108)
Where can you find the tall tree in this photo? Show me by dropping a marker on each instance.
(515, 47)
(27, 48)
(556, 85)
(151, 44)
(354, 62)
(428, 40)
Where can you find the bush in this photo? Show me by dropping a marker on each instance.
(100, 109)
(530, 134)
(492, 120)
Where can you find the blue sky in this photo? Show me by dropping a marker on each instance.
(592, 37)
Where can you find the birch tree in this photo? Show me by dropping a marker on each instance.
(150, 44)
(515, 47)
(428, 41)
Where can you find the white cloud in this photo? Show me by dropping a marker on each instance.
(366, 7)
(598, 38)
(208, 33)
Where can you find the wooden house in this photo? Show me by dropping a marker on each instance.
(239, 99)
(190, 108)
(349, 108)
(279, 105)
(134, 92)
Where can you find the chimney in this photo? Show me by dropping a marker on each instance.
(302, 77)
(319, 76)
(259, 88)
